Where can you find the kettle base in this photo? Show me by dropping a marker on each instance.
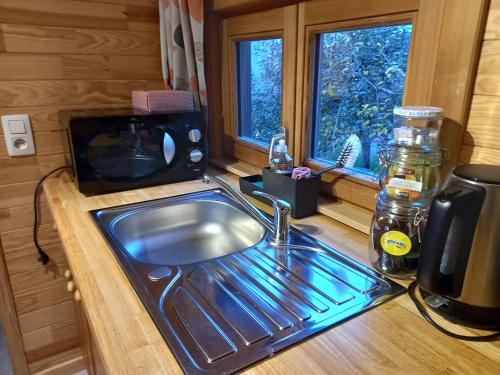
(464, 314)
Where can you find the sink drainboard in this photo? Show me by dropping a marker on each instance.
(225, 314)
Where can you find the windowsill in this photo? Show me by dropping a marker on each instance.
(249, 142)
(344, 212)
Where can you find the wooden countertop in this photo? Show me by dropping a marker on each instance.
(392, 338)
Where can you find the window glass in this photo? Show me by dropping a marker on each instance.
(259, 88)
(359, 78)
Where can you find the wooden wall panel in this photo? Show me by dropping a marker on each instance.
(32, 168)
(26, 260)
(10, 322)
(51, 340)
(18, 194)
(68, 93)
(64, 40)
(43, 278)
(141, 18)
(484, 122)
(14, 218)
(493, 23)
(453, 88)
(47, 117)
(59, 55)
(481, 142)
(69, 362)
(46, 317)
(488, 79)
(3, 149)
(28, 67)
(50, 143)
(480, 155)
(69, 13)
(40, 299)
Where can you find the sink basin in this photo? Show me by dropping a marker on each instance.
(221, 294)
(185, 233)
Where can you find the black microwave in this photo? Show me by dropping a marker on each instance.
(115, 151)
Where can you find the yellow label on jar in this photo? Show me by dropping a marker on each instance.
(395, 243)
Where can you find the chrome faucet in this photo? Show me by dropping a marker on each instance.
(281, 208)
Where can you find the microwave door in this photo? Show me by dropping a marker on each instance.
(130, 151)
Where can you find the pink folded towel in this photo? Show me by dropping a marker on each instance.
(301, 172)
(163, 100)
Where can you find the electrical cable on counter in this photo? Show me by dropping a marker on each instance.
(421, 308)
(43, 257)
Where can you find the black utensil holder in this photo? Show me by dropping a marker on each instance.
(249, 184)
(301, 194)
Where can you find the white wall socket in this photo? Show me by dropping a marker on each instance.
(18, 135)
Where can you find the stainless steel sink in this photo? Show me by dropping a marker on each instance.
(185, 233)
(221, 294)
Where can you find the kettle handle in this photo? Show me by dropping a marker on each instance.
(457, 207)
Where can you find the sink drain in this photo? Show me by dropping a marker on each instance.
(159, 273)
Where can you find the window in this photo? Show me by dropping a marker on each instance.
(339, 69)
(359, 78)
(259, 69)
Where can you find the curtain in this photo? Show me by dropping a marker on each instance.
(181, 31)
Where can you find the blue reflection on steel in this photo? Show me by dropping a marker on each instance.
(224, 314)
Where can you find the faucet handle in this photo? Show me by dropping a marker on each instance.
(282, 205)
(282, 211)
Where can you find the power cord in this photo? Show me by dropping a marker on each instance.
(42, 255)
(423, 311)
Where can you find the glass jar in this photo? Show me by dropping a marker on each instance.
(395, 236)
(417, 125)
(410, 172)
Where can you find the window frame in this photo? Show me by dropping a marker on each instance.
(276, 23)
(244, 114)
(440, 72)
(239, 140)
(308, 101)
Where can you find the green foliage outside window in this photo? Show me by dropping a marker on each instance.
(360, 80)
(263, 61)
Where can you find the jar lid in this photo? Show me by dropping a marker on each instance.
(402, 207)
(419, 112)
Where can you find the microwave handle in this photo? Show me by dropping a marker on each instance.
(168, 148)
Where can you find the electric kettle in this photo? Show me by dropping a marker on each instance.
(459, 266)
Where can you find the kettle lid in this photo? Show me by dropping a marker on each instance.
(483, 173)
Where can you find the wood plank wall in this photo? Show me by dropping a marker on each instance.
(60, 54)
(481, 143)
